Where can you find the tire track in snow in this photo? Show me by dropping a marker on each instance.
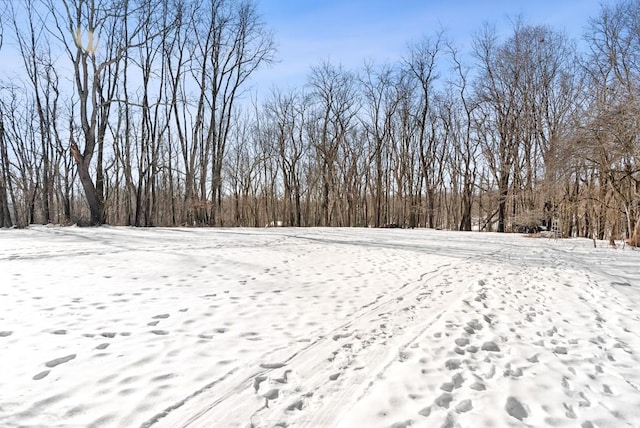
(245, 391)
(369, 345)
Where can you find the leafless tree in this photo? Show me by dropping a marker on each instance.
(42, 78)
(286, 121)
(406, 149)
(230, 43)
(334, 95)
(466, 145)
(497, 85)
(5, 214)
(608, 137)
(158, 135)
(91, 32)
(421, 65)
(381, 100)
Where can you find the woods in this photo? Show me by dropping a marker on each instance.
(140, 112)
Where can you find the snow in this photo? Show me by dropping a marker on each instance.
(125, 327)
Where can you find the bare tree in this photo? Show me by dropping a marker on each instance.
(497, 89)
(466, 143)
(608, 137)
(406, 149)
(243, 170)
(231, 43)
(528, 87)
(334, 95)
(158, 135)
(5, 214)
(5, 178)
(43, 81)
(381, 100)
(421, 65)
(285, 116)
(21, 164)
(91, 33)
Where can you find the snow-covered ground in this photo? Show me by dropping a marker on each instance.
(123, 327)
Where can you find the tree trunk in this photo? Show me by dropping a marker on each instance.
(96, 206)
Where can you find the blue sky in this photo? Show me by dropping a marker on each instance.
(348, 32)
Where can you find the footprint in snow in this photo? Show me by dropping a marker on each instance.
(402, 424)
(464, 406)
(561, 350)
(447, 387)
(61, 360)
(490, 347)
(462, 341)
(296, 405)
(272, 365)
(272, 394)
(444, 400)
(160, 317)
(41, 375)
(478, 386)
(569, 411)
(452, 364)
(257, 381)
(515, 409)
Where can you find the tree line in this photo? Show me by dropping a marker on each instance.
(136, 112)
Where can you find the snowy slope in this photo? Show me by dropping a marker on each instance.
(122, 327)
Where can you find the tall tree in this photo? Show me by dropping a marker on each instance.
(608, 138)
(91, 32)
(5, 214)
(334, 94)
(285, 113)
(43, 80)
(421, 65)
(379, 90)
(231, 43)
(500, 71)
(466, 143)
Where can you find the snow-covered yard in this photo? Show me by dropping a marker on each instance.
(123, 327)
